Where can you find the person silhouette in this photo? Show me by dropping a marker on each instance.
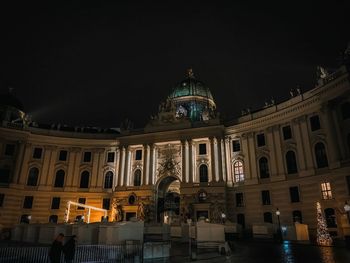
(69, 249)
(56, 249)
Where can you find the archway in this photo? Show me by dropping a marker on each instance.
(168, 200)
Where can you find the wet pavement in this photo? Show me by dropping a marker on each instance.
(263, 251)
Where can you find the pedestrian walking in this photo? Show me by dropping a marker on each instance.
(56, 249)
(69, 249)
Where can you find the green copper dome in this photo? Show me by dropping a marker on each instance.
(193, 99)
(191, 87)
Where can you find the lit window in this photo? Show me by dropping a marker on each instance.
(326, 190)
(238, 171)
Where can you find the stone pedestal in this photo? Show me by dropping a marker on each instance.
(31, 233)
(264, 230)
(17, 232)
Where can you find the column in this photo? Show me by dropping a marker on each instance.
(212, 160)
(278, 149)
(51, 169)
(94, 170)
(150, 179)
(339, 135)
(270, 143)
(155, 165)
(306, 143)
(19, 161)
(76, 177)
(227, 159)
(100, 177)
(221, 159)
(45, 165)
(253, 157)
(71, 164)
(121, 167)
(146, 155)
(24, 170)
(116, 168)
(332, 146)
(246, 155)
(127, 167)
(216, 160)
(298, 140)
(183, 160)
(191, 174)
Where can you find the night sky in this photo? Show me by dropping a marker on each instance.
(98, 63)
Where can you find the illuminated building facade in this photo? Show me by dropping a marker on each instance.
(186, 162)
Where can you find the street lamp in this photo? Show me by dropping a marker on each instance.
(278, 213)
(347, 210)
(223, 216)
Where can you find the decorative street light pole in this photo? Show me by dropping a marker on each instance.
(280, 238)
(347, 210)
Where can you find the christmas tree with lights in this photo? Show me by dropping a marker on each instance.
(323, 237)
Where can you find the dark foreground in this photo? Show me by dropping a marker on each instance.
(264, 251)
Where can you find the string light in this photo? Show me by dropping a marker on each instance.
(323, 237)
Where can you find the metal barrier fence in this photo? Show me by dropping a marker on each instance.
(83, 253)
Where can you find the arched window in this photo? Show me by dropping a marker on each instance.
(297, 217)
(84, 179)
(329, 214)
(137, 177)
(321, 155)
(53, 219)
(59, 180)
(264, 168)
(268, 217)
(345, 110)
(238, 171)
(203, 173)
(33, 176)
(108, 180)
(291, 161)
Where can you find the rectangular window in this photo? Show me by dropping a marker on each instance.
(315, 123)
(106, 203)
(236, 145)
(265, 196)
(87, 157)
(81, 200)
(110, 157)
(138, 155)
(2, 197)
(202, 148)
(326, 190)
(260, 139)
(63, 155)
(9, 149)
(239, 200)
(294, 194)
(287, 132)
(55, 204)
(28, 202)
(37, 153)
(348, 183)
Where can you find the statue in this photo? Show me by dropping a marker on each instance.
(141, 211)
(322, 73)
(119, 214)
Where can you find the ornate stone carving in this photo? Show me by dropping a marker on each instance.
(169, 165)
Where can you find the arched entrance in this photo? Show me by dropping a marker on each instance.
(168, 200)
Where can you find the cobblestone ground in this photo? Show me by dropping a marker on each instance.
(264, 251)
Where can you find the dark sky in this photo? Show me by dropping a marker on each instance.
(98, 63)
